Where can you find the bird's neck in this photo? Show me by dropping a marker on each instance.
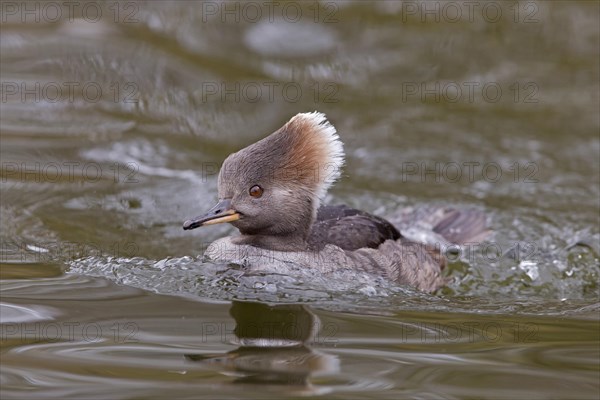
(274, 242)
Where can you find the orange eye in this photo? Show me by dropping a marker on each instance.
(256, 191)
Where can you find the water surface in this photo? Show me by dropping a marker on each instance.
(113, 126)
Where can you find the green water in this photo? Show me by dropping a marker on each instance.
(116, 116)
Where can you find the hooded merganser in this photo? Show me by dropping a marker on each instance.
(271, 192)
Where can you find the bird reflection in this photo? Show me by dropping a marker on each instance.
(274, 346)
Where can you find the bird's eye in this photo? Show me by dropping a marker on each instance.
(256, 191)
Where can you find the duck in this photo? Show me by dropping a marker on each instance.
(272, 192)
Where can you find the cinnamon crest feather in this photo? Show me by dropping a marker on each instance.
(305, 154)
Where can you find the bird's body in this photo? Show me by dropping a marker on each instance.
(271, 192)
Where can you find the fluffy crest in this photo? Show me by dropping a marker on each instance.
(316, 146)
(305, 154)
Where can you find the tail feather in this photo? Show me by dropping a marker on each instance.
(462, 226)
(442, 225)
